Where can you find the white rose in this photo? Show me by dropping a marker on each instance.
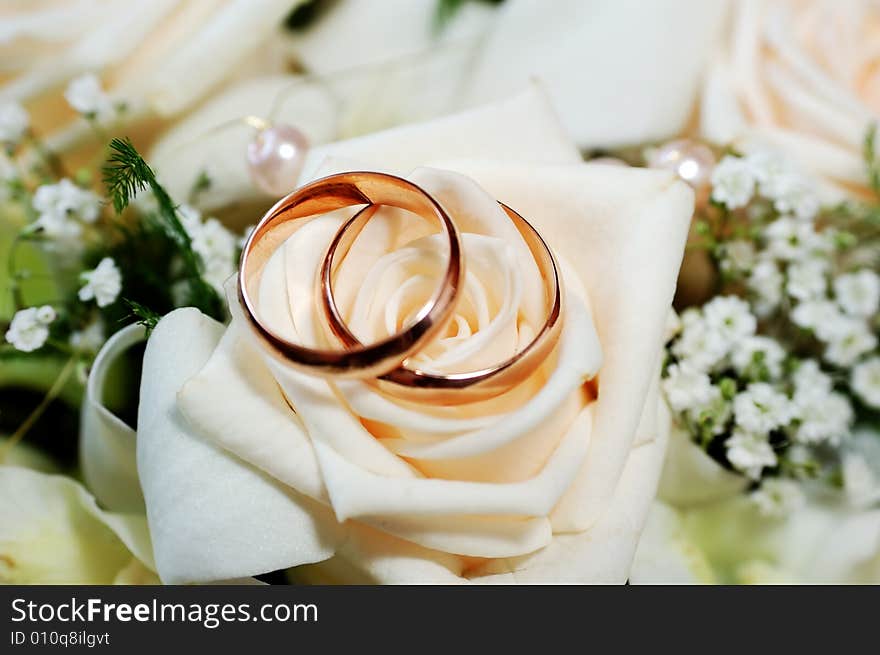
(604, 62)
(108, 459)
(601, 84)
(543, 484)
(800, 76)
(621, 72)
(159, 57)
(53, 532)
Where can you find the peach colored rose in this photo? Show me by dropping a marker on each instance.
(802, 76)
(248, 466)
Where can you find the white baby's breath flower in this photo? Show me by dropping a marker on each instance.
(88, 98)
(807, 279)
(731, 317)
(60, 206)
(820, 316)
(738, 256)
(771, 355)
(213, 243)
(59, 227)
(858, 293)
(760, 409)
(673, 325)
(765, 282)
(768, 167)
(780, 181)
(103, 283)
(216, 245)
(8, 172)
(46, 314)
(794, 195)
(14, 123)
(848, 339)
(29, 328)
(90, 338)
(750, 453)
(691, 316)
(778, 497)
(865, 381)
(823, 416)
(733, 183)
(190, 218)
(791, 240)
(809, 377)
(701, 346)
(688, 388)
(800, 460)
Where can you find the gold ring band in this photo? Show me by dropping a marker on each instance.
(412, 384)
(335, 192)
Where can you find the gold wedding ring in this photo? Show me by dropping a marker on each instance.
(411, 384)
(384, 364)
(325, 195)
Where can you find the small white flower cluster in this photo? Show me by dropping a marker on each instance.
(708, 335)
(29, 328)
(767, 383)
(865, 381)
(211, 241)
(62, 208)
(736, 181)
(842, 316)
(14, 124)
(86, 95)
(792, 271)
(102, 284)
(730, 383)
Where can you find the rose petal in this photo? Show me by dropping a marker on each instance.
(609, 91)
(618, 228)
(227, 35)
(52, 531)
(602, 554)
(370, 556)
(107, 443)
(520, 128)
(213, 138)
(233, 398)
(211, 516)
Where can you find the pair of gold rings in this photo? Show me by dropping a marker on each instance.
(384, 363)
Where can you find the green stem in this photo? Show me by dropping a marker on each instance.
(14, 282)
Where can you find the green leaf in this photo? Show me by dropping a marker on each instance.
(144, 315)
(125, 175)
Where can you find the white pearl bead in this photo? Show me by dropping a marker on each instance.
(276, 157)
(691, 161)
